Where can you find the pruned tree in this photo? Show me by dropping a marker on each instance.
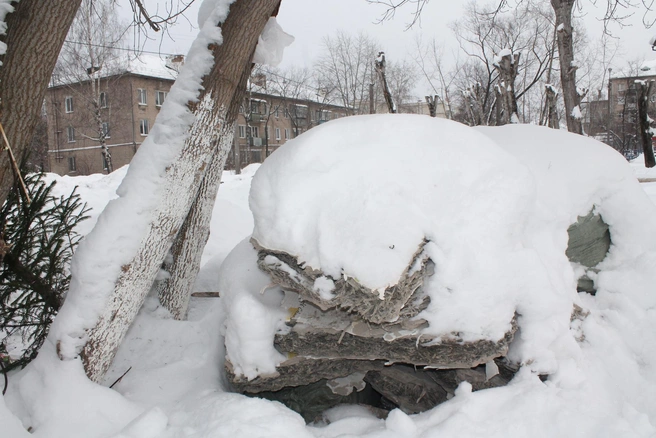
(494, 41)
(379, 62)
(401, 78)
(572, 97)
(646, 134)
(507, 67)
(293, 86)
(616, 11)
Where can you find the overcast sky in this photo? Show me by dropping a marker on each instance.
(309, 21)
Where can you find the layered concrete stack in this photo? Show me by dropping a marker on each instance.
(349, 333)
(349, 344)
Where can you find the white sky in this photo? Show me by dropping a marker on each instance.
(309, 21)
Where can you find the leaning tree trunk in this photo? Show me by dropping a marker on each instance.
(217, 106)
(35, 35)
(380, 69)
(563, 11)
(644, 91)
(182, 268)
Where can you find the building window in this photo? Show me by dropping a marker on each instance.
(286, 133)
(242, 131)
(621, 86)
(255, 131)
(159, 98)
(103, 100)
(72, 167)
(277, 133)
(105, 129)
(144, 127)
(621, 100)
(69, 104)
(143, 96)
(277, 113)
(70, 131)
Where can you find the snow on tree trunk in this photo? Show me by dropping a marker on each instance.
(507, 68)
(431, 101)
(552, 109)
(190, 146)
(174, 291)
(380, 69)
(34, 37)
(644, 91)
(563, 11)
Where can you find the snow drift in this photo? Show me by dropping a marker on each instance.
(601, 368)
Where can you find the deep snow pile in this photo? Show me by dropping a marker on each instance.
(602, 368)
(642, 172)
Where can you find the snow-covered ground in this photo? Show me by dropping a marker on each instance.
(602, 369)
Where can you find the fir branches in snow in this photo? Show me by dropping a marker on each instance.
(34, 272)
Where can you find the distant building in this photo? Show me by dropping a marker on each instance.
(615, 120)
(268, 119)
(130, 101)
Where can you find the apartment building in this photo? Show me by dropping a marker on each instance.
(615, 120)
(267, 120)
(128, 101)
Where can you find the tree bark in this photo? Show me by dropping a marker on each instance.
(35, 35)
(380, 69)
(216, 108)
(552, 109)
(563, 11)
(644, 91)
(174, 292)
(507, 69)
(432, 101)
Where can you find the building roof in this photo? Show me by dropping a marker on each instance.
(149, 65)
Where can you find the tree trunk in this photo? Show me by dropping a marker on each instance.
(507, 69)
(216, 108)
(380, 68)
(563, 11)
(35, 34)
(186, 252)
(498, 105)
(431, 101)
(644, 91)
(552, 110)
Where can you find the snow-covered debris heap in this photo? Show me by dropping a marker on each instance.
(394, 240)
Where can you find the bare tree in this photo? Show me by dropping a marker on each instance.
(87, 62)
(428, 57)
(494, 42)
(616, 11)
(346, 67)
(293, 86)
